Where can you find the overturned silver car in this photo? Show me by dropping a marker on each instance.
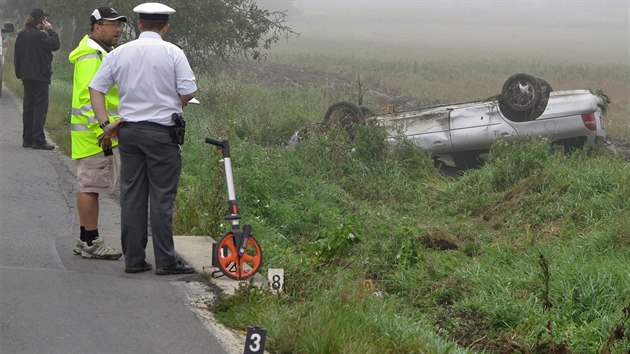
(459, 135)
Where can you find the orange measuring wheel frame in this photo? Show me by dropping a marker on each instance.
(236, 266)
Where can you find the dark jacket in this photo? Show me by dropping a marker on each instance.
(33, 54)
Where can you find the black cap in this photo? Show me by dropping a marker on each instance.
(38, 13)
(106, 13)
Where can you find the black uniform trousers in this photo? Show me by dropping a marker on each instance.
(34, 111)
(150, 165)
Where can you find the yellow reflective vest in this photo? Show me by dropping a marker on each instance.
(84, 128)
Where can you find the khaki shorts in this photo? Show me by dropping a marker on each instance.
(99, 173)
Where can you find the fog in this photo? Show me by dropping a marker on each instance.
(575, 31)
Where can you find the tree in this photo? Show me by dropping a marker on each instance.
(69, 17)
(214, 32)
(211, 32)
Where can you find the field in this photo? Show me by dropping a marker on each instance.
(382, 253)
(457, 51)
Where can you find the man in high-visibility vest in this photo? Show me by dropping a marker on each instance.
(97, 169)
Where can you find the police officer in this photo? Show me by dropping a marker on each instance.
(97, 172)
(154, 81)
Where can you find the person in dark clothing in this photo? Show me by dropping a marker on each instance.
(33, 65)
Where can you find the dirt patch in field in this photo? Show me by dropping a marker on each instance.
(274, 74)
(439, 241)
(474, 331)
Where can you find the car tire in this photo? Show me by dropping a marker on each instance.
(518, 115)
(345, 115)
(521, 92)
(540, 107)
(545, 87)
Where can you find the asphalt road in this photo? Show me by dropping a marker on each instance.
(53, 301)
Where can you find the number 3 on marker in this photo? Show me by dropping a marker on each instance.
(255, 339)
(255, 342)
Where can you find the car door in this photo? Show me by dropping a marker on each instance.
(475, 126)
(427, 128)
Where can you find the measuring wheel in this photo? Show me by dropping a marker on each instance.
(234, 266)
(238, 254)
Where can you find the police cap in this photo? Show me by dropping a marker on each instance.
(153, 11)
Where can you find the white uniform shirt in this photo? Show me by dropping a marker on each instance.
(151, 74)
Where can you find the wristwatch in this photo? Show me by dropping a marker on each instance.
(104, 124)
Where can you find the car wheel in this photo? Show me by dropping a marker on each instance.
(521, 92)
(529, 114)
(544, 87)
(345, 115)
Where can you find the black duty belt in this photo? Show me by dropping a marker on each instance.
(146, 124)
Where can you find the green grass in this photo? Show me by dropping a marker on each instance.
(455, 263)
(333, 209)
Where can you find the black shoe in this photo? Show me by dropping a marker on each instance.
(142, 268)
(178, 268)
(27, 145)
(46, 146)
